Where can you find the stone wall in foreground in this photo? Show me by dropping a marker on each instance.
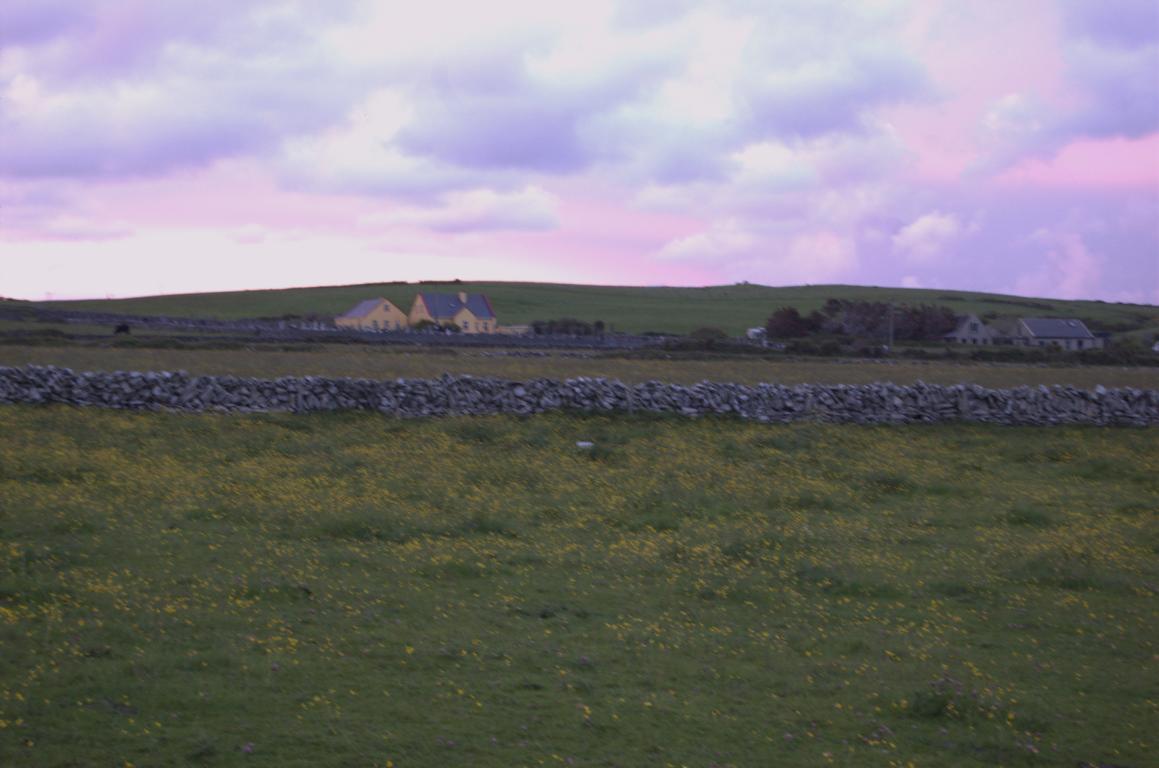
(452, 395)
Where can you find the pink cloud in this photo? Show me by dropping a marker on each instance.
(1067, 270)
(278, 142)
(225, 195)
(1093, 163)
(1022, 54)
(927, 238)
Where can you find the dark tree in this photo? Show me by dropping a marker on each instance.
(833, 308)
(871, 319)
(925, 322)
(786, 323)
(564, 326)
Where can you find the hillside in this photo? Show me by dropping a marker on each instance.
(634, 309)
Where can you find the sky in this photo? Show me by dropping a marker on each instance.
(172, 146)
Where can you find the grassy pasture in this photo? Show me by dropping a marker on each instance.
(732, 308)
(85, 329)
(346, 589)
(387, 363)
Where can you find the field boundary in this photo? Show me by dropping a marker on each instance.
(879, 403)
(317, 330)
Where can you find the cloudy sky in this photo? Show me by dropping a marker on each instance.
(160, 146)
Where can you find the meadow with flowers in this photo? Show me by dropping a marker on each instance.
(353, 590)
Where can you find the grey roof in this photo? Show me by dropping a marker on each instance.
(1057, 328)
(961, 328)
(447, 304)
(362, 308)
(1005, 326)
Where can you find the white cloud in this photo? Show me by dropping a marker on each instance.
(135, 92)
(1068, 270)
(1014, 117)
(744, 252)
(807, 258)
(926, 239)
(40, 209)
(360, 157)
(773, 165)
(1110, 51)
(199, 260)
(389, 98)
(817, 257)
(720, 242)
(484, 209)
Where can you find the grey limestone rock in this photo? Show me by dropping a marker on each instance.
(877, 403)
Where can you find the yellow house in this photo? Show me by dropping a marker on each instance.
(373, 315)
(471, 312)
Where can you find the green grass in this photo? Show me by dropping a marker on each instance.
(732, 308)
(378, 362)
(106, 329)
(345, 589)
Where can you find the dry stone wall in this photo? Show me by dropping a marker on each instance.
(303, 330)
(466, 395)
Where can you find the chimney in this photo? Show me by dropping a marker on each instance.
(462, 297)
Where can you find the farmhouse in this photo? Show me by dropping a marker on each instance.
(1061, 332)
(471, 312)
(373, 315)
(1065, 333)
(972, 330)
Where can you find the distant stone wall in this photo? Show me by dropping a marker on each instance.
(307, 330)
(455, 395)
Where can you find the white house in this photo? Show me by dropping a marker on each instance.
(1062, 332)
(971, 330)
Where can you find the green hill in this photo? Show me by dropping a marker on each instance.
(732, 308)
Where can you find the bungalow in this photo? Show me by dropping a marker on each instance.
(471, 312)
(972, 330)
(373, 315)
(1065, 333)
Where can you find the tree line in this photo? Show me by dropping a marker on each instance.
(864, 319)
(567, 326)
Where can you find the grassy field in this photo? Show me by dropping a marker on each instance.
(85, 329)
(732, 308)
(388, 363)
(340, 590)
